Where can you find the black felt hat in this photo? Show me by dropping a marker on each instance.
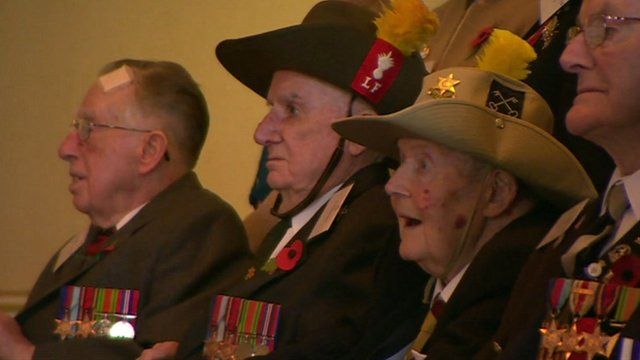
(330, 44)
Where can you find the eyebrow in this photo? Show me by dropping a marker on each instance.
(286, 98)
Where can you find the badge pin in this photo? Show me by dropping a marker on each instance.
(446, 88)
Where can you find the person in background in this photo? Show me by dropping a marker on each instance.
(577, 295)
(157, 238)
(543, 23)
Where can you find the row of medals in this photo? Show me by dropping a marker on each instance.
(100, 328)
(560, 343)
(242, 347)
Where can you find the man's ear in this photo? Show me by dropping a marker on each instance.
(153, 151)
(501, 193)
(360, 108)
(354, 149)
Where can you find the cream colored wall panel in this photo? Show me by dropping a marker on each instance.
(50, 53)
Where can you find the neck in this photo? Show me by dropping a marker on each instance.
(623, 147)
(143, 191)
(490, 228)
(346, 168)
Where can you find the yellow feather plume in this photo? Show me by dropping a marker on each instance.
(407, 24)
(507, 54)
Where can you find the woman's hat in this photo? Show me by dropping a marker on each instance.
(487, 115)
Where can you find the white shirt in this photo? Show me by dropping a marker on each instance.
(300, 219)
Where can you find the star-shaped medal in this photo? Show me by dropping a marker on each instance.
(595, 343)
(63, 328)
(571, 340)
(210, 348)
(85, 328)
(446, 87)
(551, 337)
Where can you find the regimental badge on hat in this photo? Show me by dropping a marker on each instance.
(403, 29)
(97, 312)
(241, 328)
(505, 100)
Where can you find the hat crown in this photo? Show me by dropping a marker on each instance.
(341, 13)
(330, 44)
(508, 97)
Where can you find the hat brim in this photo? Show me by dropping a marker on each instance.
(528, 152)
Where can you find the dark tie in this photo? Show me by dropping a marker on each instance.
(96, 246)
(587, 248)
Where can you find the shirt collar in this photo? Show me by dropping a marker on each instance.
(447, 290)
(129, 216)
(305, 215)
(631, 185)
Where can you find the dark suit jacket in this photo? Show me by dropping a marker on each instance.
(472, 314)
(183, 242)
(345, 276)
(518, 334)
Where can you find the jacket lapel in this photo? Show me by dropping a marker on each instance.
(75, 265)
(312, 233)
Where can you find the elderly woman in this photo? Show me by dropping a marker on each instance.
(480, 181)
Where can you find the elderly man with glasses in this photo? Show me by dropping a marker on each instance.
(156, 239)
(577, 297)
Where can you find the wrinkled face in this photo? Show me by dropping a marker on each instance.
(103, 168)
(433, 193)
(608, 75)
(297, 130)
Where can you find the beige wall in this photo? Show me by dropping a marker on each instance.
(50, 52)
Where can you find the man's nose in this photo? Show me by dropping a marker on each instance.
(68, 149)
(268, 131)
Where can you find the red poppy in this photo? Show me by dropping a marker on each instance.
(483, 35)
(626, 271)
(288, 258)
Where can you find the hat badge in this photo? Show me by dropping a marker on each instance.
(385, 62)
(445, 89)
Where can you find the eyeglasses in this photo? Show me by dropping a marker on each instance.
(84, 128)
(595, 30)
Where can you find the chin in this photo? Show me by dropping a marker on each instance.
(80, 205)
(406, 252)
(278, 182)
(581, 120)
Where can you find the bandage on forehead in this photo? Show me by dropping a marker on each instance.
(116, 78)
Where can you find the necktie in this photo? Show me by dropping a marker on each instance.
(428, 326)
(588, 247)
(96, 246)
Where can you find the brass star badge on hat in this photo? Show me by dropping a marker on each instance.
(446, 87)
